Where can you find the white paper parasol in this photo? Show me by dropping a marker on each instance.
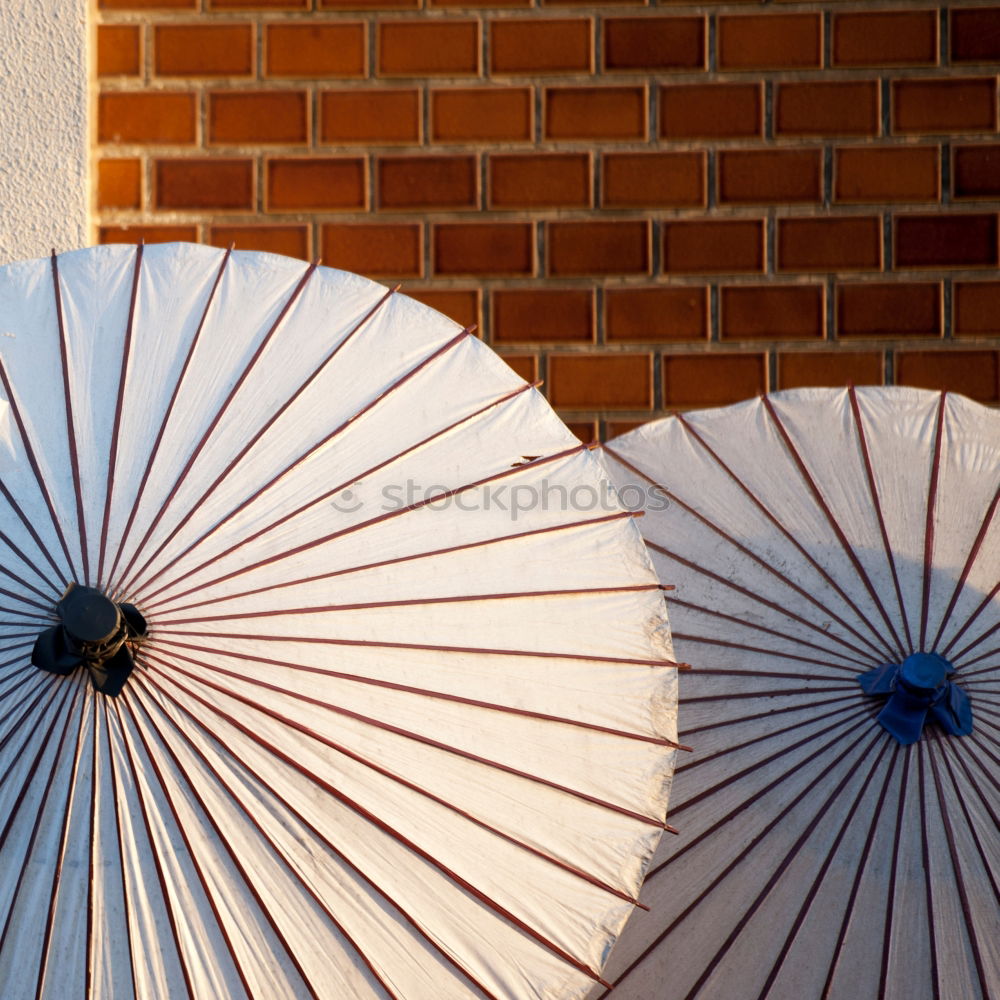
(813, 536)
(327, 713)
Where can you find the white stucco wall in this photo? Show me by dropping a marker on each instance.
(44, 196)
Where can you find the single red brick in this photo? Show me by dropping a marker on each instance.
(147, 4)
(539, 180)
(291, 241)
(601, 381)
(159, 117)
(578, 248)
(119, 48)
(277, 116)
(976, 172)
(423, 182)
(848, 107)
(615, 428)
(147, 234)
(711, 246)
(374, 249)
(771, 312)
(458, 304)
(478, 3)
(802, 369)
(119, 183)
(359, 117)
(891, 173)
(196, 184)
(975, 374)
(769, 41)
(830, 244)
(749, 176)
(946, 240)
(966, 104)
(540, 315)
(258, 4)
(577, 3)
(663, 180)
(658, 313)
(711, 111)
(889, 310)
(203, 49)
(501, 114)
(885, 38)
(428, 48)
(584, 430)
(484, 248)
(595, 113)
(315, 184)
(316, 49)
(542, 45)
(368, 4)
(526, 365)
(976, 306)
(712, 379)
(654, 43)
(975, 35)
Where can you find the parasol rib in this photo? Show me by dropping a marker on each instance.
(119, 402)
(395, 561)
(74, 455)
(162, 693)
(744, 550)
(841, 537)
(380, 824)
(157, 441)
(877, 506)
(325, 496)
(220, 413)
(195, 505)
(428, 693)
(929, 528)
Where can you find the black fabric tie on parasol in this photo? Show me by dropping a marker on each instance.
(93, 632)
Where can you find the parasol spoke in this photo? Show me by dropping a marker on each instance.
(214, 423)
(196, 505)
(959, 876)
(154, 853)
(838, 950)
(721, 876)
(877, 507)
(190, 790)
(393, 561)
(855, 719)
(377, 724)
(929, 526)
(762, 650)
(781, 867)
(925, 855)
(771, 734)
(327, 494)
(74, 454)
(62, 713)
(158, 439)
(963, 578)
(365, 813)
(116, 427)
(838, 532)
(746, 551)
(50, 952)
(754, 596)
(30, 528)
(355, 678)
(756, 716)
(48, 598)
(485, 650)
(162, 694)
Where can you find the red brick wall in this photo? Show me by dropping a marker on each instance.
(650, 207)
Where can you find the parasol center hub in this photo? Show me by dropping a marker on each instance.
(94, 632)
(919, 690)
